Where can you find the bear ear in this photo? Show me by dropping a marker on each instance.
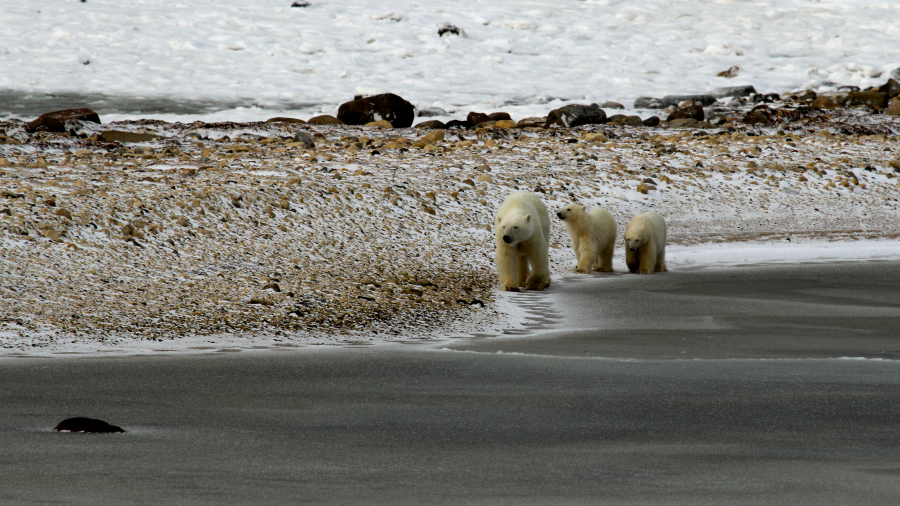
(527, 218)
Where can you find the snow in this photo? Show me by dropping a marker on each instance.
(262, 59)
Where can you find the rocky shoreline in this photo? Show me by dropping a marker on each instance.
(312, 232)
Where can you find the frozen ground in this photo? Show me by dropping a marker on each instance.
(253, 60)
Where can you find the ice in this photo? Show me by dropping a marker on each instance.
(524, 57)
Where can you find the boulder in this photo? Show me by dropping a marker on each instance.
(499, 116)
(506, 123)
(891, 88)
(875, 99)
(704, 100)
(450, 29)
(81, 424)
(431, 112)
(576, 115)
(279, 119)
(823, 103)
(305, 138)
(387, 106)
(125, 137)
(612, 105)
(56, 121)
(894, 108)
(477, 118)
(433, 124)
(532, 122)
(648, 103)
(734, 91)
(690, 111)
(682, 123)
(380, 123)
(731, 72)
(325, 119)
(455, 123)
(652, 121)
(760, 115)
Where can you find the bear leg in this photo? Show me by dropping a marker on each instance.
(605, 258)
(586, 257)
(508, 268)
(523, 269)
(661, 262)
(632, 259)
(648, 259)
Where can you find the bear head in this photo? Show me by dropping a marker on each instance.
(636, 236)
(515, 229)
(574, 210)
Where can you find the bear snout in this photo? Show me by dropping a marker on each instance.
(507, 239)
(560, 216)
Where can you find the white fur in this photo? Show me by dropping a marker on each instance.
(525, 259)
(593, 236)
(645, 244)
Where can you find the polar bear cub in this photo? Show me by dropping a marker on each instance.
(645, 243)
(523, 240)
(593, 236)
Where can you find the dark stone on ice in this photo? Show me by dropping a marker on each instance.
(614, 118)
(704, 100)
(476, 118)
(648, 103)
(433, 125)
(734, 91)
(300, 4)
(871, 98)
(652, 121)
(56, 121)
(305, 138)
(760, 115)
(325, 119)
(125, 137)
(455, 123)
(576, 115)
(80, 424)
(891, 88)
(430, 113)
(692, 111)
(499, 116)
(387, 106)
(281, 119)
(449, 29)
(849, 88)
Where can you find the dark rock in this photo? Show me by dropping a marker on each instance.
(652, 121)
(476, 118)
(432, 112)
(280, 119)
(874, 99)
(261, 301)
(56, 121)
(576, 115)
(433, 125)
(682, 122)
(704, 100)
(485, 124)
(300, 4)
(387, 106)
(891, 88)
(895, 74)
(80, 424)
(823, 103)
(734, 91)
(691, 111)
(731, 72)
(449, 29)
(612, 105)
(848, 88)
(648, 103)
(532, 122)
(718, 119)
(614, 118)
(305, 138)
(499, 116)
(125, 137)
(632, 121)
(455, 123)
(325, 119)
(760, 115)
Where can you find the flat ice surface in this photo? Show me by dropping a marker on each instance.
(525, 57)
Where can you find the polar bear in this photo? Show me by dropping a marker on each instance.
(645, 243)
(593, 236)
(523, 240)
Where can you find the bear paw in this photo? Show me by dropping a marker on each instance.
(537, 284)
(601, 269)
(510, 288)
(582, 270)
(644, 271)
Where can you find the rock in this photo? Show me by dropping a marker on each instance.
(824, 103)
(632, 121)
(485, 178)
(718, 119)
(385, 107)
(272, 286)
(612, 105)
(893, 109)
(760, 115)
(597, 137)
(506, 123)
(449, 29)
(648, 103)
(734, 91)
(300, 3)
(499, 116)
(56, 121)
(642, 188)
(731, 72)
(576, 115)
(532, 122)
(455, 123)
(380, 123)
(64, 213)
(874, 99)
(683, 122)
(433, 136)
(261, 301)
(690, 111)
(648, 180)
(433, 124)
(125, 137)
(305, 138)
(486, 124)
(891, 88)
(652, 121)
(325, 119)
(79, 424)
(674, 100)
(295, 121)
(477, 118)
(431, 112)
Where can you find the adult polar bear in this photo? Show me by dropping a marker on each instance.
(523, 241)
(645, 243)
(593, 236)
